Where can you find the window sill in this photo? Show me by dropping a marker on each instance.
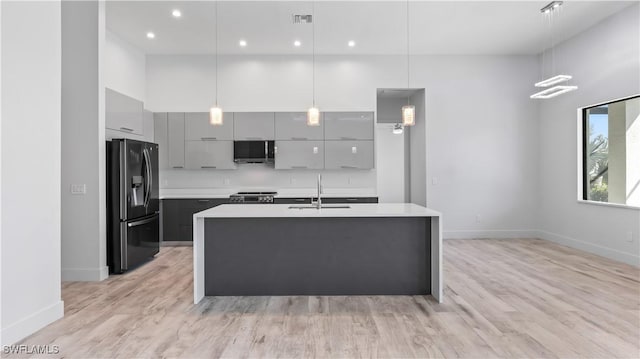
(606, 204)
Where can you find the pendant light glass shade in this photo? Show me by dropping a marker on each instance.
(313, 117)
(215, 116)
(408, 115)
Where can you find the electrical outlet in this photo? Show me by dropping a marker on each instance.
(293, 180)
(434, 180)
(226, 181)
(477, 218)
(629, 236)
(78, 189)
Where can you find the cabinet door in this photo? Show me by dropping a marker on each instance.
(197, 127)
(209, 155)
(175, 137)
(177, 217)
(348, 154)
(293, 126)
(349, 200)
(348, 125)
(250, 126)
(123, 113)
(160, 134)
(292, 200)
(299, 155)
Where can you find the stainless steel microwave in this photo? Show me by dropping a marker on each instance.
(253, 151)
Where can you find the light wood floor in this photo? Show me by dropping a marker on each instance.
(503, 298)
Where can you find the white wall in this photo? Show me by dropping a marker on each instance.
(390, 153)
(31, 60)
(83, 141)
(605, 63)
(124, 67)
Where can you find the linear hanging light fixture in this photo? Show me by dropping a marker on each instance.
(408, 110)
(313, 114)
(215, 112)
(548, 10)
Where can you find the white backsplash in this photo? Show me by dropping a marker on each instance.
(260, 176)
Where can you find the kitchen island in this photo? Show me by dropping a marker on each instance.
(279, 249)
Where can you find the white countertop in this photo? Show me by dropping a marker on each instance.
(283, 211)
(178, 193)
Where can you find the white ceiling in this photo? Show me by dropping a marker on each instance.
(377, 27)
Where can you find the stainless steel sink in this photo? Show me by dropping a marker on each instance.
(324, 206)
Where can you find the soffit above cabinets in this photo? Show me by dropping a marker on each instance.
(377, 27)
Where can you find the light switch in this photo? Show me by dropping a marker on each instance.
(78, 189)
(354, 149)
(434, 180)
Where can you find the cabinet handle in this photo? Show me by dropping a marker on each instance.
(126, 129)
(178, 167)
(253, 138)
(203, 200)
(347, 138)
(301, 167)
(208, 138)
(352, 199)
(352, 167)
(300, 199)
(299, 138)
(207, 166)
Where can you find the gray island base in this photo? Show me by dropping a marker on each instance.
(367, 249)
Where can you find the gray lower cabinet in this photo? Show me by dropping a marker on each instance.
(299, 155)
(348, 155)
(253, 126)
(348, 125)
(177, 217)
(175, 139)
(341, 200)
(209, 155)
(197, 127)
(293, 126)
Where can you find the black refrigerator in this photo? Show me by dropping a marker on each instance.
(133, 204)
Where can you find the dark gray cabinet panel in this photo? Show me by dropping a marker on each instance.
(177, 217)
(292, 200)
(307, 200)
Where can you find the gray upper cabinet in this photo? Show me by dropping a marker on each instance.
(254, 126)
(209, 155)
(348, 154)
(299, 155)
(348, 125)
(123, 113)
(293, 126)
(175, 137)
(197, 127)
(160, 133)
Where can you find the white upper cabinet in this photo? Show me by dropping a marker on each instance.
(299, 155)
(293, 126)
(348, 155)
(348, 125)
(249, 126)
(203, 155)
(175, 139)
(197, 127)
(123, 113)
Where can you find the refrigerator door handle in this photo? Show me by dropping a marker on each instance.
(142, 221)
(147, 184)
(150, 165)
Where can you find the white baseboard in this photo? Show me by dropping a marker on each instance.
(591, 248)
(31, 324)
(85, 274)
(493, 233)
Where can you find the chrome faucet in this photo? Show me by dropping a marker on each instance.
(318, 203)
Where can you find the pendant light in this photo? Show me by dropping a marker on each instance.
(408, 111)
(549, 10)
(313, 114)
(215, 112)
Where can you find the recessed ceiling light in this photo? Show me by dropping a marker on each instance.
(151, 35)
(176, 13)
(297, 43)
(351, 43)
(243, 43)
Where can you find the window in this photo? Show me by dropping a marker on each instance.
(611, 152)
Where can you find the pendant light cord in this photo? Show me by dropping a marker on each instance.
(216, 11)
(313, 53)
